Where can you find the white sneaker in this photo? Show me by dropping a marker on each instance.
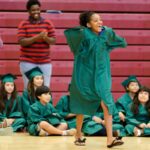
(137, 132)
(71, 132)
(43, 133)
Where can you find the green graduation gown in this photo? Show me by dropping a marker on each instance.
(39, 112)
(91, 78)
(117, 125)
(14, 113)
(135, 120)
(123, 102)
(90, 127)
(26, 101)
(64, 110)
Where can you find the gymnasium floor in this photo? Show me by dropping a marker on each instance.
(22, 141)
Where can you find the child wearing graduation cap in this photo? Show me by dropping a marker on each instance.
(36, 79)
(138, 114)
(43, 118)
(131, 85)
(10, 113)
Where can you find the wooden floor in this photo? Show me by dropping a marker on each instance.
(22, 141)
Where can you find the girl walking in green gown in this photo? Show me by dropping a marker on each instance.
(138, 114)
(10, 112)
(91, 44)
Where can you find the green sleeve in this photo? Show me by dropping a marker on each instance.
(119, 107)
(100, 115)
(62, 107)
(2, 117)
(25, 103)
(74, 38)
(130, 117)
(54, 117)
(34, 115)
(15, 111)
(116, 118)
(114, 40)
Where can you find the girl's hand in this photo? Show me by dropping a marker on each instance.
(122, 116)
(97, 119)
(142, 125)
(148, 125)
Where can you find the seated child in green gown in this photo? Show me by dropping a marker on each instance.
(63, 109)
(36, 79)
(95, 125)
(43, 118)
(138, 114)
(131, 85)
(10, 112)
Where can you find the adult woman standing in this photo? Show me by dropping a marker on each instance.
(35, 35)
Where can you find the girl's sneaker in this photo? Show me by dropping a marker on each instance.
(137, 132)
(70, 132)
(41, 132)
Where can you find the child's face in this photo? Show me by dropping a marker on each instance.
(143, 96)
(45, 98)
(35, 12)
(133, 87)
(38, 81)
(95, 23)
(9, 87)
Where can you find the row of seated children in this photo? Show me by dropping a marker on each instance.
(35, 111)
(134, 108)
(92, 125)
(131, 116)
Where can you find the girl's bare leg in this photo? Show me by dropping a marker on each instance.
(48, 128)
(62, 126)
(108, 123)
(79, 122)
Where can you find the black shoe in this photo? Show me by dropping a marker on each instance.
(116, 142)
